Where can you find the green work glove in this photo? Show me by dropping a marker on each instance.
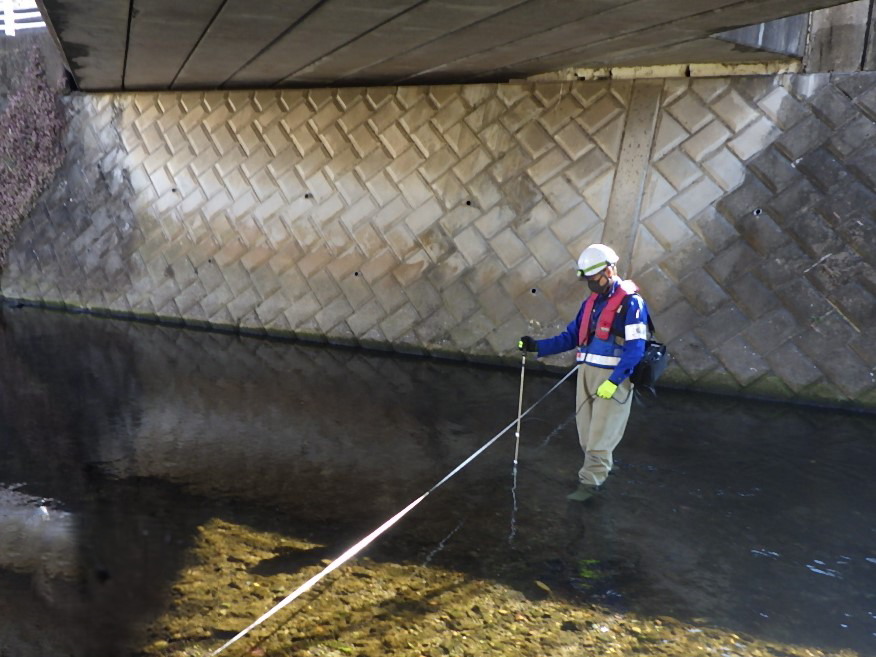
(526, 343)
(606, 390)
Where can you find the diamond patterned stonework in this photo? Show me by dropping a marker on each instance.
(445, 220)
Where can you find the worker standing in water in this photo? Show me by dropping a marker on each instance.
(610, 333)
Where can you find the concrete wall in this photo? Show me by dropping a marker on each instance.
(445, 220)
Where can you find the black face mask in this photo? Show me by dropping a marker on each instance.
(597, 287)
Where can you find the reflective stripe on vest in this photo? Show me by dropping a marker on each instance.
(596, 359)
(606, 317)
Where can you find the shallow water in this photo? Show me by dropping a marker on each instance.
(142, 444)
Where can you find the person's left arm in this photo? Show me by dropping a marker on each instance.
(635, 337)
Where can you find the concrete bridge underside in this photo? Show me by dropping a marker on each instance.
(163, 44)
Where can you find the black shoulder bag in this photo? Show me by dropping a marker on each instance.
(655, 360)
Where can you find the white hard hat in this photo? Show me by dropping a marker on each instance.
(595, 258)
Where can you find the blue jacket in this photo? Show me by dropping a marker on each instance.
(620, 355)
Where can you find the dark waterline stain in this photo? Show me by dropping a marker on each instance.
(758, 518)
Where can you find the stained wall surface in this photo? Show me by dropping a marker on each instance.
(445, 220)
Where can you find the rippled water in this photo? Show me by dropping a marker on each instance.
(120, 440)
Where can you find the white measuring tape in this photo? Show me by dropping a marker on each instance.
(362, 544)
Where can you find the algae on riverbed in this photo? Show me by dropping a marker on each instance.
(371, 608)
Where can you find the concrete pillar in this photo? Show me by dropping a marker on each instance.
(625, 204)
(838, 37)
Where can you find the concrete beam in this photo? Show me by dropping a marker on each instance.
(163, 33)
(623, 35)
(236, 36)
(838, 38)
(94, 38)
(330, 26)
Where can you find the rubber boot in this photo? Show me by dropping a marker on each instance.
(582, 493)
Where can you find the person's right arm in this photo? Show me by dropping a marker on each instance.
(565, 341)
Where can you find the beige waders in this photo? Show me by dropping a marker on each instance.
(601, 422)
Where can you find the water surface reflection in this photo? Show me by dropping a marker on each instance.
(757, 518)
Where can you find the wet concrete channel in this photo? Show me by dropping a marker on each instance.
(161, 487)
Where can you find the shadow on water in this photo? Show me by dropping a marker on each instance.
(756, 517)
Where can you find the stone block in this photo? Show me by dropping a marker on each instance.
(692, 355)
(690, 112)
(573, 140)
(734, 110)
(484, 191)
(356, 291)
(713, 229)
(721, 326)
(678, 169)
(600, 113)
(782, 108)
(668, 228)
(588, 168)
(216, 300)
(732, 263)
(525, 276)
(697, 198)
(364, 319)
(324, 287)
(548, 250)
(472, 164)
(840, 363)
(509, 248)
(857, 304)
(273, 306)
(832, 106)
(742, 361)
(706, 141)
(435, 243)
(561, 195)
(749, 197)
(725, 169)
(534, 305)
(773, 329)
(864, 345)
(685, 257)
(804, 301)
(795, 370)
(389, 293)
(702, 292)
(400, 322)
(400, 241)
(814, 235)
(495, 303)
(551, 164)
(823, 169)
(754, 139)
(658, 290)
(783, 264)
(459, 301)
(471, 245)
(761, 232)
(243, 304)
(574, 222)
(774, 169)
(487, 272)
(424, 217)
(797, 199)
(676, 321)
(467, 334)
(855, 134)
(863, 164)
(806, 136)
(752, 296)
